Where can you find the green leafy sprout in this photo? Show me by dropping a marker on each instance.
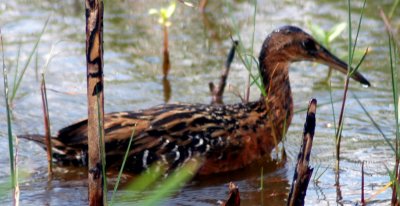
(164, 14)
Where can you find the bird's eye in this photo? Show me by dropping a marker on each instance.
(309, 45)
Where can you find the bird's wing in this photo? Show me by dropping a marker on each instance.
(171, 132)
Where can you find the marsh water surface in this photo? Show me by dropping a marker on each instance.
(198, 47)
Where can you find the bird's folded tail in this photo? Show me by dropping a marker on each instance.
(61, 153)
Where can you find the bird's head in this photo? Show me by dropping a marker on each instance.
(290, 44)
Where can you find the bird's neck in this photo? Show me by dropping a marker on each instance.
(278, 99)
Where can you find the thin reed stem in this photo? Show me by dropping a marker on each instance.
(14, 181)
(350, 71)
(19, 80)
(46, 118)
(122, 167)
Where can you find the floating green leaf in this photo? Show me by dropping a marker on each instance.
(336, 31)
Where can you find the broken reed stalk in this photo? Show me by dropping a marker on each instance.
(94, 58)
(234, 196)
(303, 172)
(217, 92)
(166, 62)
(14, 180)
(46, 118)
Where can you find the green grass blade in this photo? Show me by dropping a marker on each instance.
(247, 59)
(144, 181)
(9, 122)
(359, 63)
(122, 167)
(316, 178)
(358, 30)
(147, 178)
(17, 66)
(333, 108)
(176, 180)
(394, 74)
(29, 60)
(376, 125)
(336, 30)
(350, 37)
(393, 180)
(394, 7)
(317, 32)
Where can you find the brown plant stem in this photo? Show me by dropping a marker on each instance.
(46, 118)
(94, 58)
(340, 124)
(388, 25)
(202, 5)
(166, 62)
(303, 171)
(217, 92)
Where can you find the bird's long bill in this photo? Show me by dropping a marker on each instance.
(325, 57)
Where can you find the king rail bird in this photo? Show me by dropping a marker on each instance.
(227, 137)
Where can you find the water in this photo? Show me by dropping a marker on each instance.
(198, 47)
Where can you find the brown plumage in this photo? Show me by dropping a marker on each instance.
(229, 137)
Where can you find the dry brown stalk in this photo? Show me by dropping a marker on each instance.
(217, 92)
(94, 58)
(46, 118)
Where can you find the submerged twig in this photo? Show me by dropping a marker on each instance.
(303, 172)
(218, 91)
(362, 184)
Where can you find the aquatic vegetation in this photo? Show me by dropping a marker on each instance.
(164, 15)
(361, 130)
(19, 77)
(350, 72)
(13, 169)
(326, 37)
(46, 115)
